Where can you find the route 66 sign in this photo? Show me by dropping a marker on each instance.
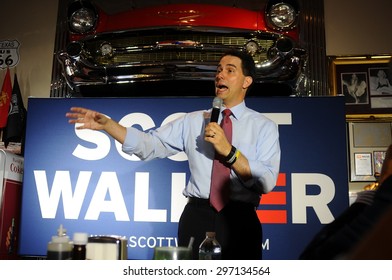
(9, 53)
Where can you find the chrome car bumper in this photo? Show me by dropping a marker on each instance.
(87, 63)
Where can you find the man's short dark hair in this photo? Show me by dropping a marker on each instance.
(248, 64)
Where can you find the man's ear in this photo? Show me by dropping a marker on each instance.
(247, 82)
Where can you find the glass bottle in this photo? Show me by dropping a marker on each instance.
(210, 249)
(79, 246)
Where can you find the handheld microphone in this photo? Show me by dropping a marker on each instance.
(216, 106)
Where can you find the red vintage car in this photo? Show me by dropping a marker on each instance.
(180, 42)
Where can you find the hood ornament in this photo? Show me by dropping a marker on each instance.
(180, 15)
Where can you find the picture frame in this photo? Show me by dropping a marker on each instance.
(364, 82)
(378, 158)
(368, 141)
(362, 167)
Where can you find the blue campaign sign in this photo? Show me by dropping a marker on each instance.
(82, 180)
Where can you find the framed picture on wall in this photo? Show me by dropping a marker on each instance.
(368, 142)
(364, 83)
(379, 157)
(362, 169)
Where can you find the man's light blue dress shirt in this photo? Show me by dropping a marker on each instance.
(256, 137)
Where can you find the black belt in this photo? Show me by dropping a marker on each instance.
(198, 201)
(204, 201)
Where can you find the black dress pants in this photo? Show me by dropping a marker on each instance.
(237, 227)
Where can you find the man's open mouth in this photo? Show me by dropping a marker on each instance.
(221, 87)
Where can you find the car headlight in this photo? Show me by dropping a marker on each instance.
(282, 15)
(82, 20)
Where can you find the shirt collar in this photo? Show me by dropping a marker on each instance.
(238, 110)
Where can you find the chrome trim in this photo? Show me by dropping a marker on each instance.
(79, 72)
(277, 59)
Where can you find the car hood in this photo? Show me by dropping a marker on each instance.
(184, 15)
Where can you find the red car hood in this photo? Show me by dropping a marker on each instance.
(182, 15)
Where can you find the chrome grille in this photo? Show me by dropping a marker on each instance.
(135, 48)
(146, 57)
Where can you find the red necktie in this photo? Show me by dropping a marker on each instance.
(220, 192)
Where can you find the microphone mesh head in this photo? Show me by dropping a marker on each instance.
(217, 103)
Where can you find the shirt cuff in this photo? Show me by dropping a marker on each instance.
(131, 140)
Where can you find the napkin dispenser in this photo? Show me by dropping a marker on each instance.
(106, 247)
